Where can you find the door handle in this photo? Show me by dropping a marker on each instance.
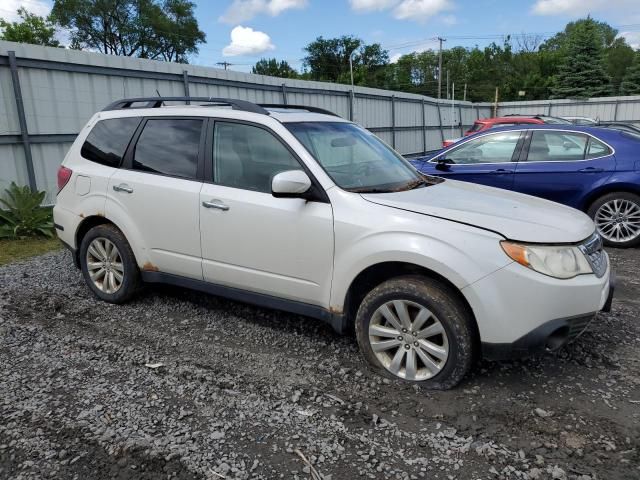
(591, 170)
(501, 171)
(215, 204)
(123, 187)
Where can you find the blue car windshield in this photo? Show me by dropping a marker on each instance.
(355, 159)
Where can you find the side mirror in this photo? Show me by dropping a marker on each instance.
(290, 184)
(443, 164)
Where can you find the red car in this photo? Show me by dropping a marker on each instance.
(508, 121)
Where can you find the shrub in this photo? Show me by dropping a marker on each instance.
(22, 215)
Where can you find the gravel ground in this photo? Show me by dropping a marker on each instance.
(243, 391)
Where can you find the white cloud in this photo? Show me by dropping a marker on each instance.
(371, 5)
(247, 41)
(420, 10)
(9, 8)
(576, 8)
(395, 57)
(243, 10)
(632, 38)
(449, 20)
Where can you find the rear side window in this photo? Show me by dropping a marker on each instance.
(552, 146)
(169, 146)
(597, 149)
(108, 140)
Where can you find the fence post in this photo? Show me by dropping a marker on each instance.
(615, 110)
(351, 98)
(440, 122)
(17, 91)
(393, 121)
(185, 82)
(424, 130)
(284, 94)
(549, 112)
(460, 117)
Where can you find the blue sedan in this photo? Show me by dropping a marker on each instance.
(596, 170)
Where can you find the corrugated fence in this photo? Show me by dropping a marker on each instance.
(48, 94)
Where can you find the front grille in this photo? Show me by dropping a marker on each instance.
(597, 258)
(578, 325)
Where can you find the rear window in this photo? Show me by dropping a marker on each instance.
(477, 126)
(108, 140)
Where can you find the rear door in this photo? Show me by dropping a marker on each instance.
(155, 197)
(563, 165)
(488, 159)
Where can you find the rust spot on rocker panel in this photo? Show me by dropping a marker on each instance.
(149, 267)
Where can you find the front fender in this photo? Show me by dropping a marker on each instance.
(475, 254)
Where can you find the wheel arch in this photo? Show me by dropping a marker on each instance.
(593, 196)
(87, 224)
(375, 274)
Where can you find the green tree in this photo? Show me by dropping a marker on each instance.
(582, 73)
(30, 29)
(274, 68)
(631, 82)
(165, 30)
(327, 59)
(619, 57)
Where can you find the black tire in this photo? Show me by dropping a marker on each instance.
(131, 275)
(595, 206)
(445, 305)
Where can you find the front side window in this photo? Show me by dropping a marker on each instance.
(169, 146)
(354, 158)
(108, 140)
(494, 148)
(248, 157)
(551, 146)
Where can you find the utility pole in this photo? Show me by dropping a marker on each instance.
(495, 105)
(448, 85)
(351, 66)
(440, 39)
(464, 95)
(225, 64)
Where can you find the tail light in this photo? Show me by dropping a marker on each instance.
(64, 174)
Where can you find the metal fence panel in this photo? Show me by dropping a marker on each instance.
(62, 88)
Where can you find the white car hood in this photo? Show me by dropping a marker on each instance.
(514, 215)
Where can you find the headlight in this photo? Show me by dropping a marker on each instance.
(559, 261)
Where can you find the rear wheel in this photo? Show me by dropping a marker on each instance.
(108, 264)
(416, 329)
(617, 218)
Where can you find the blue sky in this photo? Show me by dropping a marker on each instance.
(243, 31)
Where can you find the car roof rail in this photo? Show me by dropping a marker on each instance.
(157, 102)
(298, 107)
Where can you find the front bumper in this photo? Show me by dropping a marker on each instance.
(520, 312)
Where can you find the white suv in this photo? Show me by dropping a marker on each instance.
(296, 209)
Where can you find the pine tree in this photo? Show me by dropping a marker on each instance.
(582, 73)
(631, 81)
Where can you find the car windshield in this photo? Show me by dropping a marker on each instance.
(355, 159)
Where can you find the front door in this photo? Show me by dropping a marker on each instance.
(251, 240)
(488, 159)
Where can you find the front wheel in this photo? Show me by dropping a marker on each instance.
(617, 218)
(416, 329)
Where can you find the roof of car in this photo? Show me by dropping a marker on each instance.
(604, 133)
(509, 119)
(229, 108)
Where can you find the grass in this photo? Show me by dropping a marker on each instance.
(14, 250)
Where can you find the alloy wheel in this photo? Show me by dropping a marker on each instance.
(408, 340)
(104, 265)
(618, 220)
